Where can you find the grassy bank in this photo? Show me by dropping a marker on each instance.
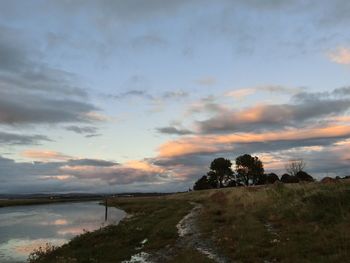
(282, 223)
(153, 218)
(279, 223)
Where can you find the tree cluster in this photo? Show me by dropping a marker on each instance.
(249, 170)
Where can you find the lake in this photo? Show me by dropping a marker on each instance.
(24, 228)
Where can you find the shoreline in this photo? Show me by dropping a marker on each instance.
(27, 202)
(229, 225)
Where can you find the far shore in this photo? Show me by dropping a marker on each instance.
(41, 201)
(47, 199)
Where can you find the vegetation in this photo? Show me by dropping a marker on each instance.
(271, 178)
(272, 223)
(249, 171)
(152, 218)
(220, 171)
(263, 222)
(220, 175)
(293, 167)
(281, 223)
(202, 183)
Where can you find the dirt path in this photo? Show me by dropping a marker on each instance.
(189, 237)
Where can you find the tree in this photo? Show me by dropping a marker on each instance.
(220, 175)
(271, 178)
(213, 179)
(232, 183)
(289, 179)
(295, 166)
(220, 171)
(249, 169)
(262, 179)
(202, 184)
(304, 176)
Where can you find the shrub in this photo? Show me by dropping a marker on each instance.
(289, 179)
(304, 176)
(39, 254)
(272, 178)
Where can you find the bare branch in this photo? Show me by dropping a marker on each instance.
(295, 166)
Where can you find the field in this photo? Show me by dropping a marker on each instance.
(277, 223)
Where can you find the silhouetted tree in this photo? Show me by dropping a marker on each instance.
(284, 178)
(289, 179)
(304, 176)
(249, 169)
(295, 166)
(213, 179)
(262, 179)
(220, 171)
(271, 178)
(202, 184)
(293, 180)
(232, 183)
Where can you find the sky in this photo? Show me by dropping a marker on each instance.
(123, 96)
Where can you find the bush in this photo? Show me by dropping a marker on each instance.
(304, 176)
(272, 178)
(289, 179)
(202, 184)
(39, 254)
(232, 183)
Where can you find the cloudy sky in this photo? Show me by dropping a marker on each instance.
(141, 95)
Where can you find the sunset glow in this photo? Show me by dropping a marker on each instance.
(113, 96)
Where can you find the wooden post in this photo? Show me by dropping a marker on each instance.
(106, 210)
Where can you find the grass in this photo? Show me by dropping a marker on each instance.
(282, 223)
(278, 223)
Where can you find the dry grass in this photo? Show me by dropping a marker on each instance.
(278, 223)
(281, 223)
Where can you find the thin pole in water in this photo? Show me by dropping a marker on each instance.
(106, 210)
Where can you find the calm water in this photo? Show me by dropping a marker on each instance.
(24, 228)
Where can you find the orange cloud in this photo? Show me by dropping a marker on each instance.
(25, 246)
(216, 143)
(343, 119)
(144, 166)
(241, 93)
(45, 155)
(95, 116)
(341, 55)
(141, 166)
(57, 222)
(58, 177)
(132, 171)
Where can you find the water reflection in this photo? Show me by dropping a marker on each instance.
(27, 227)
